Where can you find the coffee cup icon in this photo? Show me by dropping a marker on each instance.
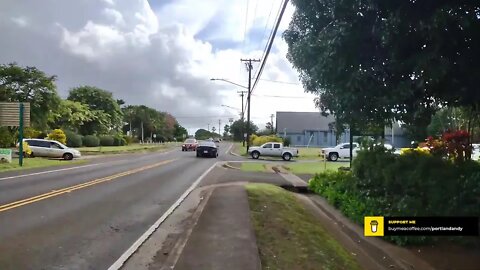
(374, 226)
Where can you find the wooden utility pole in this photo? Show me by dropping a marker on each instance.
(249, 66)
(242, 94)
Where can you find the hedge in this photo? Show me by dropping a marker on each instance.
(91, 141)
(413, 184)
(107, 140)
(73, 139)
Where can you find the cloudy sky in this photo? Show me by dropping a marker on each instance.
(161, 53)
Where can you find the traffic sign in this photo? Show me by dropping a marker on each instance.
(10, 114)
(5, 155)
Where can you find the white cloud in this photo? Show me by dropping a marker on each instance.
(162, 58)
(20, 21)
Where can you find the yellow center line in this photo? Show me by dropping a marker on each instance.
(58, 192)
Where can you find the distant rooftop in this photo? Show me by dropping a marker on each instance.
(298, 122)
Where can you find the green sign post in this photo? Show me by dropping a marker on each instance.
(20, 136)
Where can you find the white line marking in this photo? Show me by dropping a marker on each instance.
(128, 253)
(52, 171)
(71, 168)
(228, 149)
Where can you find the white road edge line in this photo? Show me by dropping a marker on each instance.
(129, 252)
(51, 171)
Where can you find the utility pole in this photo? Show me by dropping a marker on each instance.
(248, 63)
(219, 130)
(271, 122)
(242, 94)
(208, 127)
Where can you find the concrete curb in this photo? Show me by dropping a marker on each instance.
(235, 154)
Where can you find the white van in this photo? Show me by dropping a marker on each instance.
(52, 149)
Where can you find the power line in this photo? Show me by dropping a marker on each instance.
(270, 35)
(283, 82)
(270, 43)
(269, 96)
(245, 27)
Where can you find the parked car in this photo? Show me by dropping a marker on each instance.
(190, 144)
(476, 151)
(273, 149)
(340, 151)
(207, 149)
(52, 149)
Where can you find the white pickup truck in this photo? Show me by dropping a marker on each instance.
(340, 151)
(273, 149)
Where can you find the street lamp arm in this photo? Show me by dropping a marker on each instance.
(213, 79)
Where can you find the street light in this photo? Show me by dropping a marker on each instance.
(215, 79)
(231, 107)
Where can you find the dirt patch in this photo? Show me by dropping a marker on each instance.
(448, 256)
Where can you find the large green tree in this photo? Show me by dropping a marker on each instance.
(373, 61)
(239, 127)
(72, 115)
(108, 115)
(29, 84)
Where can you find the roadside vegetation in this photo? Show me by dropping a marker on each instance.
(288, 236)
(88, 117)
(125, 149)
(412, 184)
(31, 163)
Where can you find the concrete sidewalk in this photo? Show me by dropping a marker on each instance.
(223, 237)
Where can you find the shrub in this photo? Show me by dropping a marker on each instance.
(286, 141)
(91, 141)
(107, 140)
(413, 184)
(119, 140)
(6, 137)
(32, 133)
(26, 149)
(129, 139)
(257, 141)
(73, 139)
(57, 135)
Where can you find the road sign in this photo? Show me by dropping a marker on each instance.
(245, 135)
(10, 114)
(5, 155)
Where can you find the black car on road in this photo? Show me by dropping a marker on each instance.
(207, 149)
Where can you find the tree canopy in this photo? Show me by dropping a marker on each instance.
(374, 61)
(28, 84)
(239, 127)
(108, 115)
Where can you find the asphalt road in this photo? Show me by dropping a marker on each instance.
(86, 217)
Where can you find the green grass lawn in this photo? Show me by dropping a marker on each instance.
(289, 236)
(309, 154)
(30, 163)
(253, 167)
(238, 148)
(126, 148)
(314, 167)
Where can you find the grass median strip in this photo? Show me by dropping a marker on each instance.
(58, 192)
(31, 163)
(253, 167)
(314, 167)
(126, 149)
(289, 236)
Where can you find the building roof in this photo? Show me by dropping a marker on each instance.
(298, 122)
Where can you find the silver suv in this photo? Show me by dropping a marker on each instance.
(52, 149)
